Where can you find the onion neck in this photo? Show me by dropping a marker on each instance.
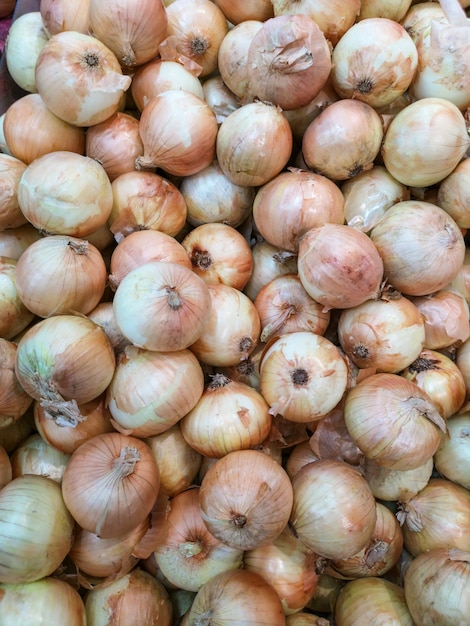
(173, 297)
(62, 412)
(125, 464)
(218, 381)
(78, 246)
(190, 548)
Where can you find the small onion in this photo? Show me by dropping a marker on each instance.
(246, 498)
(32, 130)
(436, 587)
(269, 262)
(14, 315)
(65, 193)
(14, 401)
(339, 266)
(391, 485)
(162, 306)
(69, 83)
(178, 132)
(303, 376)
(291, 203)
(446, 318)
(219, 97)
(393, 421)
(110, 484)
(334, 511)
(299, 455)
(426, 255)
(452, 458)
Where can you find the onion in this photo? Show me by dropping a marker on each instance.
(65, 193)
(219, 254)
(26, 38)
(334, 512)
(284, 307)
(15, 316)
(11, 436)
(438, 125)
(36, 529)
(162, 306)
(67, 432)
(32, 130)
(386, 334)
(131, 29)
(440, 378)
(34, 455)
(303, 376)
(110, 484)
(6, 473)
(339, 266)
(178, 132)
(426, 256)
(246, 498)
(211, 197)
(453, 194)
(69, 83)
(135, 599)
(289, 566)
(343, 140)
(64, 360)
(444, 597)
(14, 401)
(384, 8)
(374, 74)
(393, 421)
(446, 318)
(196, 29)
(392, 485)
(269, 262)
(289, 61)
(178, 463)
(103, 315)
(291, 203)
(59, 15)
(220, 599)
(189, 556)
(219, 97)
(254, 144)
(452, 458)
(151, 391)
(369, 195)
(436, 517)
(232, 328)
(374, 597)
(248, 10)
(14, 241)
(146, 201)
(11, 171)
(305, 619)
(246, 419)
(333, 17)
(299, 455)
(49, 598)
(75, 267)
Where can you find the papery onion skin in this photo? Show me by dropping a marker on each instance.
(11, 170)
(65, 193)
(339, 266)
(254, 144)
(14, 241)
(34, 455)
(49, 598)
(15, 316)
(334, 512)
(391, 485)
(162, 306)
(393, 421)
(291, 203)
(452, 459)
(253, 506)
(110, 484)
(245, 593)
(248, 10)
(424, 257)
(69, 83)
(441, 576)
(59, 15)
(103, 315)
(269, 262)
(36, 529)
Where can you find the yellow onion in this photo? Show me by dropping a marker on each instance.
(334, 512)
(110, 484)
(248, 10)
(343, 140)
(178, 132)
(151, 391)
(69, 83)
(269, 262)
(453, 193)
(162, 306)
(219, 97)
(424, 257)
(131, 29)
(383, 8)
(65, 193)
(14, 241)
(14, 401)
(299, 455)
(246, 498)
(392, 485)
(452, 457)
(189, 555)
(254, 144)
(393, 421)
(72, 276)
(15, 316)
(15, 433)
(59, 15)
(11, 170)
(103, 315)
(289, 61)
(36, 529)
(373, 73)
(145, 201)
(32, 130)
(339, 266)
(291, 203)
(424, 142)
(446, 318)
(6, 473)
(35, 455)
